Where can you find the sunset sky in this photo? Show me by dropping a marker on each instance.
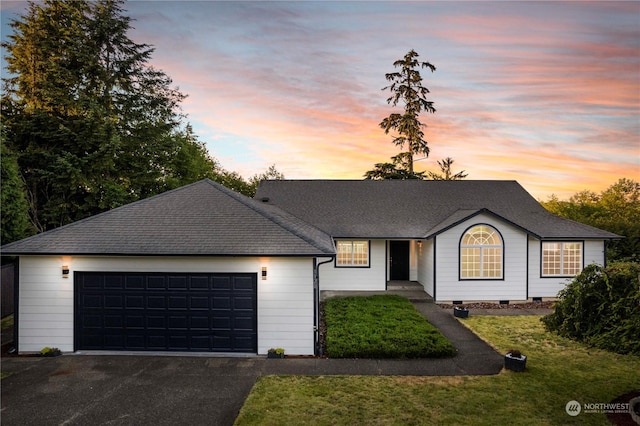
(546, 93)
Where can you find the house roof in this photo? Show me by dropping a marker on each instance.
(415, 208)
(203, 218)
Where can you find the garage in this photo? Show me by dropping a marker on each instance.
(166, 312)
(174, 272)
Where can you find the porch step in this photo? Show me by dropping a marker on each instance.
(404, 285)
(409, 289)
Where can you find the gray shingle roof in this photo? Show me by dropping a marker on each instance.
(203, 218)
(415, 208)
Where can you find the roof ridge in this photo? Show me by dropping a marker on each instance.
(255, 205)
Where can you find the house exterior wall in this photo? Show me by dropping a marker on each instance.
(425, 264)
(285, 299)
(413, 260)
(511, 287)
(371, 278)
(593, 252)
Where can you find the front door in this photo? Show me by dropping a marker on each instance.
(399, 260)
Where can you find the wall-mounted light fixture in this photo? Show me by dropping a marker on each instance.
(420, 243)
(65, 271)
(264, 273)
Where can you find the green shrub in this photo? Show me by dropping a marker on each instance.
(601, 307)
(381, 326)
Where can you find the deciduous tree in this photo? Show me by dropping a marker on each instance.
(616, 209)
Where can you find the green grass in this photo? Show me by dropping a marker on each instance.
(382, 326)
(558, 371)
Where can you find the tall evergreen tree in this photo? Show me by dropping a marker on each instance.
(93, 124)
(15, 209)
(406, 88)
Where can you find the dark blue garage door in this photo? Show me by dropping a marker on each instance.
(166, 312)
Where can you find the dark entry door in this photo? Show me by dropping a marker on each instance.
(399, 260)
(166, 312)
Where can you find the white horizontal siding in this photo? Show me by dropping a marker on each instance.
(413, 260)
(540, 286)
(425, 265)
(511, 287)
(358, 279)
(285, 299)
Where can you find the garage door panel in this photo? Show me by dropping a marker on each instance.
(222, 302)
(177, 302)
(114, 282)
(113, 321)
(168, 312)
(156, 322)
(199, 323)
(198, 283)
(243, 283)
(134, 302)
(134, 282)
(221, 283)
(157, 302)
(177, 283)
(242, 343)
(221, 323)
(244, 324)
(244, 303)
(177, 322)
(92, 321)
(135, 341)
(155, 282)
(113, 302)
(199, 302)
(92, 282)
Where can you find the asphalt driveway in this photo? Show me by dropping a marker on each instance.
(125, 390)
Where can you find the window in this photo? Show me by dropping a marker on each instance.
(353, 253)
(561, 259)
(481, 253)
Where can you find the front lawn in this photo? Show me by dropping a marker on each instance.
(382, 326)
(558, 371)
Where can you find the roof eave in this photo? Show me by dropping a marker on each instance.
(125, 254)
(476, 213)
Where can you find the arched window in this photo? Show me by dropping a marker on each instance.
(481, 253)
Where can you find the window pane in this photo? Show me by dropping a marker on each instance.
(481, 235)
(492, 262)
(360, 253)
(551, 256)
(470, 262)
(572, 258)
(344, 252)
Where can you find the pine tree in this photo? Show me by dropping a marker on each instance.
(93, 124)
(406, 88)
